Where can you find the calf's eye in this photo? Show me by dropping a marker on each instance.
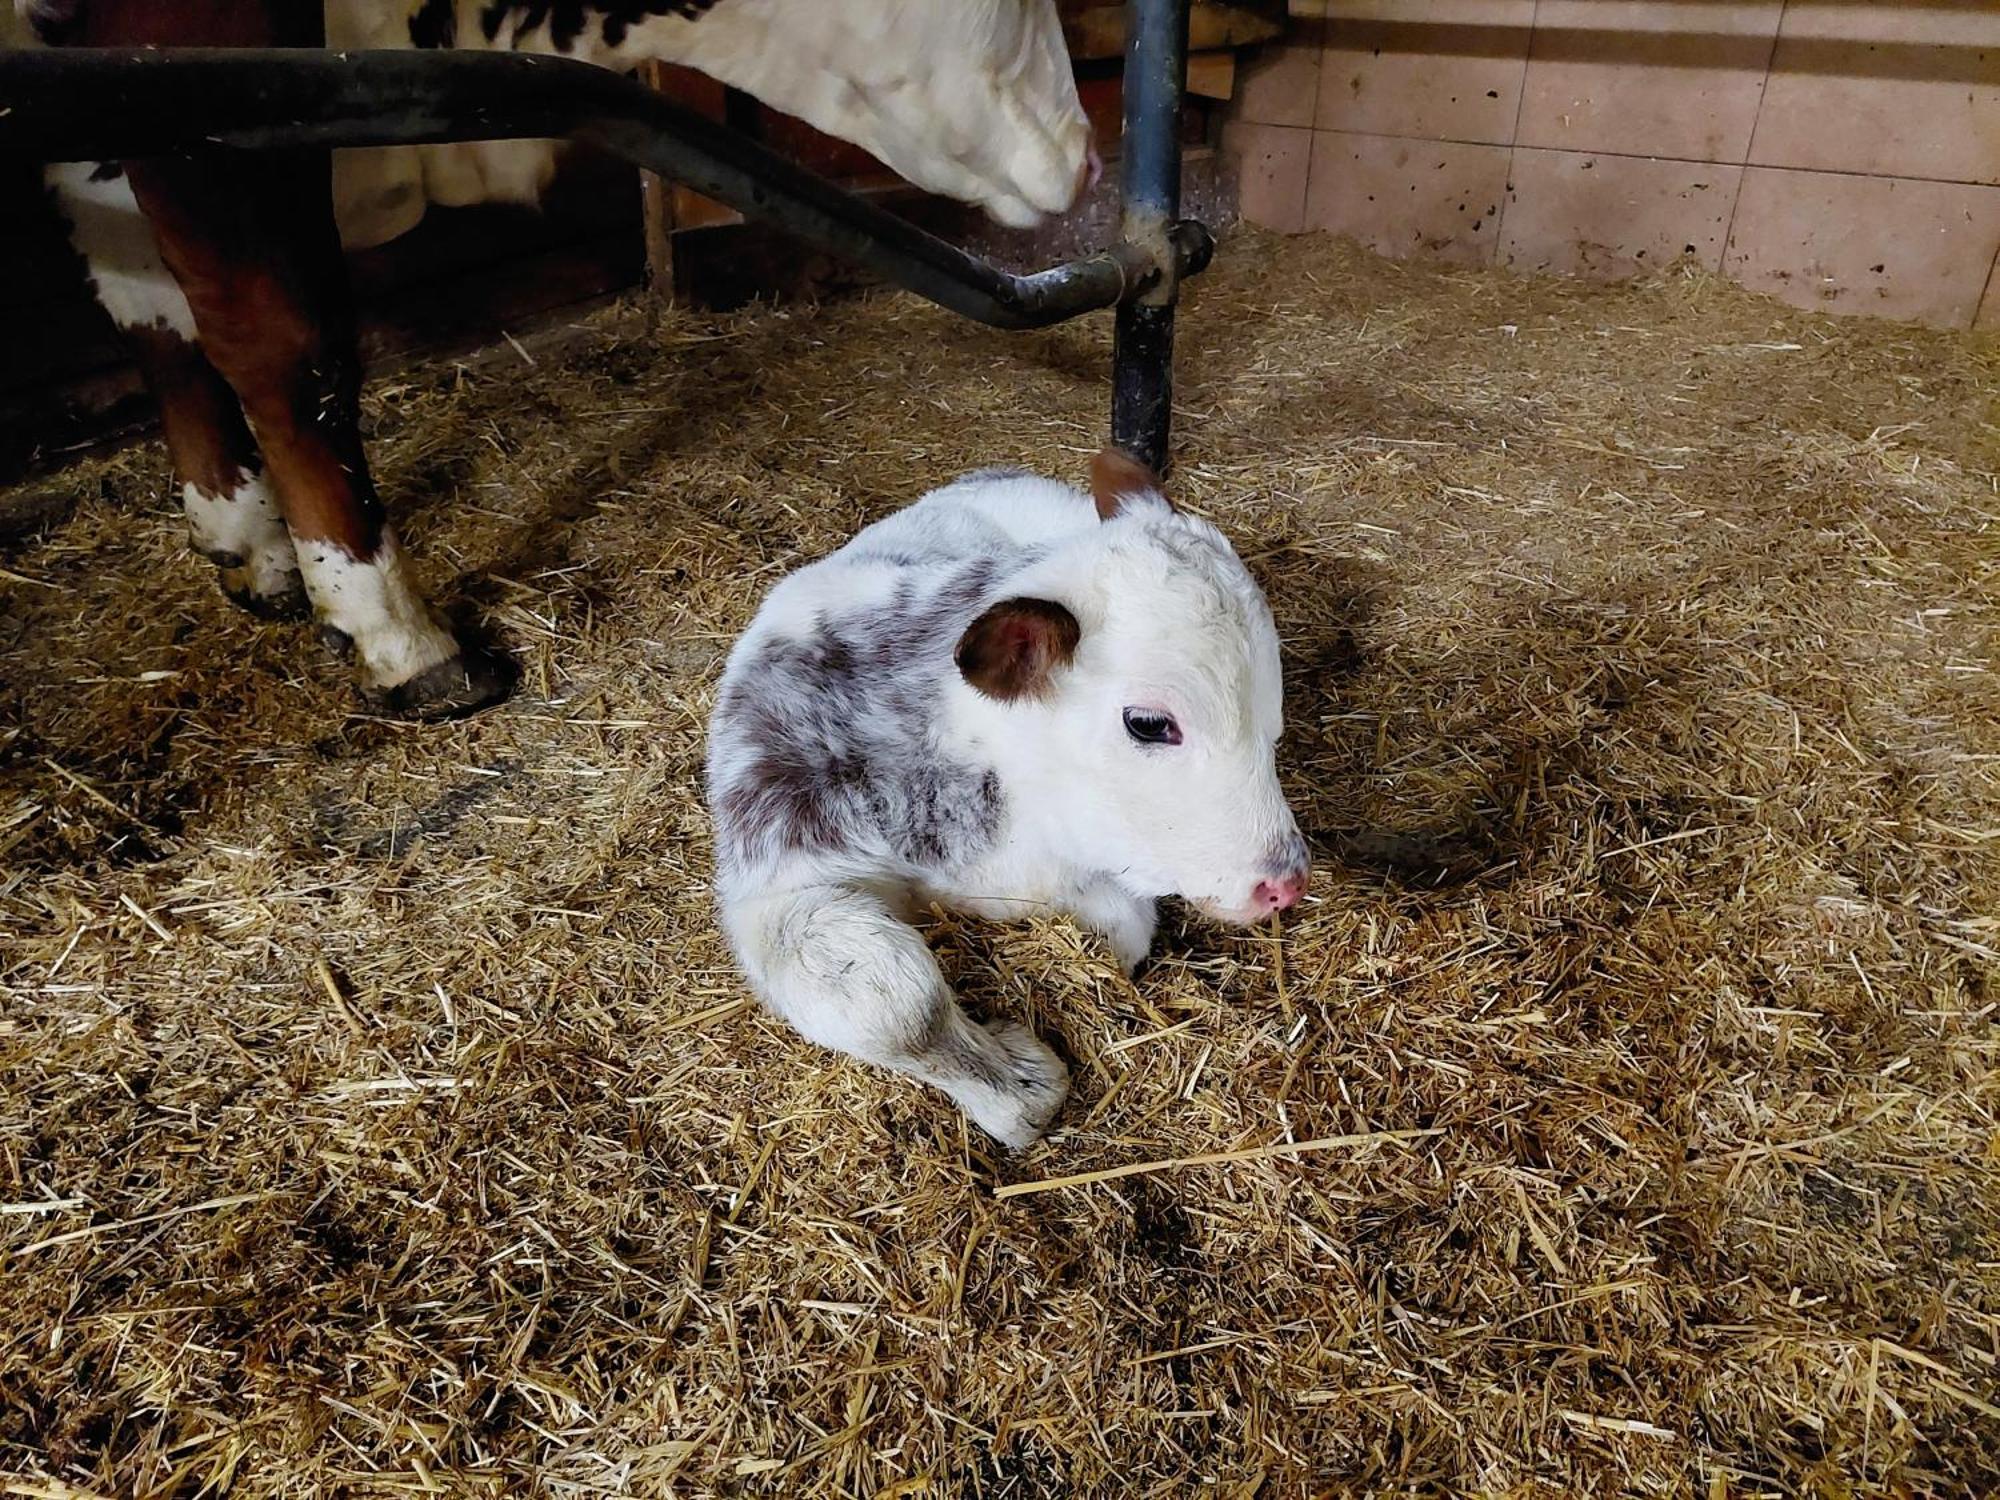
(1148, 726)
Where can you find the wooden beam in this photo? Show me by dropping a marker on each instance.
(1212, 75)
(656, 209)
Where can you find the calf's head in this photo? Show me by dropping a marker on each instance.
(1131, 692)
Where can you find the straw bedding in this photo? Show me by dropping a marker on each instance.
(379, 1112)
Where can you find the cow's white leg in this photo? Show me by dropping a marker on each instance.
(242, 533)
(408, 658)
(836, 964)
(232, 513)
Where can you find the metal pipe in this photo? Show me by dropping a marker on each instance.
(91, 104)
(1142, 377)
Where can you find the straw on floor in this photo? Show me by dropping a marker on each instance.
(380, 1113)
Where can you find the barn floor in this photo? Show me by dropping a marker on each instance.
(379, 1112)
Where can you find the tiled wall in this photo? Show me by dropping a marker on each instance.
(1842, 154)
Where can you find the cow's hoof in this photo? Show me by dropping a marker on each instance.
(286, 603)
(474, 679)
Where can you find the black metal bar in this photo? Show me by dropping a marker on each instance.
(1142, 377)
(89, 104)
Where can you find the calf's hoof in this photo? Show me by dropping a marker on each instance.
(1027, 1092)
(476, 678)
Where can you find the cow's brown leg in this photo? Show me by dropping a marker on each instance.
(251, 240)
(233, 517)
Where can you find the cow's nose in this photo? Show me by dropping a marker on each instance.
(1279, 895)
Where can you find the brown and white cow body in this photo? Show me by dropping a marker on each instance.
(226, 274)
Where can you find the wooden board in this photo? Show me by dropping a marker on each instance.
(1212, 75)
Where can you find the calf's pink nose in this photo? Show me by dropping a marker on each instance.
(1279, 895)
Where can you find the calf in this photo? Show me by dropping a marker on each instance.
(1010, 697)
(225, 272)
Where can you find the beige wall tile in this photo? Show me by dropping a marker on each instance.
(1273, 161)
(1892, 246)
(1900, 90)
(1613, 216)
(1441, 69)
(1648, 77)
(1408, 198)
(1278, 86)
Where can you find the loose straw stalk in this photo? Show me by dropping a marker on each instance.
(1213, 1158)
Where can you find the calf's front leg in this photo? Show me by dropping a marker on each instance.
(252, 243)
(1127, 922)
(839, 966)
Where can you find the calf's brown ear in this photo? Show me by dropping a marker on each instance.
(1014, 649)
(1117, 477)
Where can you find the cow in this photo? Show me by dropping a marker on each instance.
(225, 273)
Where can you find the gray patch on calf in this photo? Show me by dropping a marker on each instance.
(837, 725)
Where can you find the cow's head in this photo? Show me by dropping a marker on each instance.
(973, 99)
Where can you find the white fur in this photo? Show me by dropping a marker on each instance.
(378, 606)
(973, 99)
(1088, 822)
(117, 243)
(1171, 619)
(837, 964)
(381, 192)
(245, 522)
